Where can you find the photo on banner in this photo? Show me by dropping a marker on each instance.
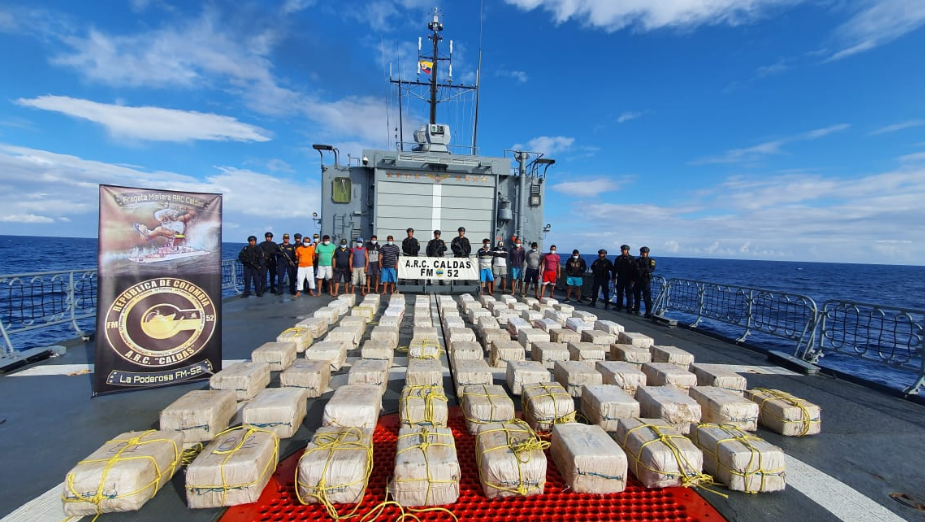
(159, 288)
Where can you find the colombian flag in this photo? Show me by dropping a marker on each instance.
(426, 66)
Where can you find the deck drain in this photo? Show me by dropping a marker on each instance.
(909, 500)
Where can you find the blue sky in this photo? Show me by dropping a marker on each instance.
(756, 129)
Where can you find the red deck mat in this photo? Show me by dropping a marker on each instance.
(278, 503)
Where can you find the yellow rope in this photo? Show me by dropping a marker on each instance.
(806, 421)
(424, 442)
(129, 445)
(347, 439)
(423, 344)
(521, 442)
(527, 404)
(248, 434)
(466, 405)
(689, 475)
(431, 395)
(737, 435)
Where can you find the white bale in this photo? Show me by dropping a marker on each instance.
(572, 375)
(333, 352)
(466, 351)
(578, 325)
(527, 336)
(387, 334)
(423, 406)
(741, 461)
(508, 299)
(424, 348)
(608, 327)
(661, 374)
(300, 335)
(317, 325)
(372, 299)
(424, 372)
(530, 301)
(659, 456)
(328, 314)
(341, 307)
(721, 406)
(587, 317)
(350, 299)
(389, 321)
(470, 373)
(504, 351)
(450, 312)
(518, 307)
(461, 334)
(587, 353)
(353, 406)
(335, 466)
(278, 355)
(492, 305)
(395, 312)
(485, 299)
(490, 335)
(557, 316)
(598, 337)
(515, 325)
(636, 339)
(397, 298)
(670, 404)
(545, 324)
(427, 469)
(550, 301)
(453, 322)
(378, 350)
(280, 410)
(485, 404)
(634, 355)
(562, 307)
(605, 404)
(124, 473)
(366, 312)
(673, 355)
(245, 379)
(504, 316)
(564, 335)
(786, 414)
(623, 374)
(588, 459)
(519, 373)
(546, 404)
(549, 352)
(719, 377)
(311, 376)
(510, 460)
(423, 321)
(199, 414)
(487, 323)
(344, 334)
(355, 321)
(530, 315)
(370, 371)
(541, 308)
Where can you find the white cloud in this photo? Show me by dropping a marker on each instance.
(918, 157)
(586, 188)
(647, 15)
(547, 144)
(520, 76)
(627, 116)
(880, 23)
(25, 218)
(278, 165)
(819, 133)
(768, 148)
(898, 127)
(778, 67)
(294, 6)
(151, 123)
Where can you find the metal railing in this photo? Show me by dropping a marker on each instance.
(49, 299)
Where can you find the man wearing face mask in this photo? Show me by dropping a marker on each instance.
(624, 270)
(532, 260)
(601, 269)
(359, 262)
(305, 256)
(325, 255)
(341, 266)
(642, 289)
(410, 247)
(552, 269)
(372, 273)
(486, 278)
(286, 265)
(516, 265)
(499, 265)
(575, 268)
(388, 258)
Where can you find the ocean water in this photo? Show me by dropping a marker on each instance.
(887, 285)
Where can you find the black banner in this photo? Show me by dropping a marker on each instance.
(160, 288)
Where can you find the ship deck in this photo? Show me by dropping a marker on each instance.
(868, 449)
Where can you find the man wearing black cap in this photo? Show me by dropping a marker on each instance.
(575, 268)
(286, 266)
(460, 244)
(270, 252)
(644, 268)
(341, 264)
(410, 247)
(252, 258)
(436, 247)
(624, 268)
(600, 271)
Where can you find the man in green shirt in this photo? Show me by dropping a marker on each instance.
(325, 253)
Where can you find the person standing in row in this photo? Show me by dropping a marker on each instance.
(499, 265)
(486, 278)
(341, 267)
(601, 269)
(436, 247)
(305, 256)
(575, 269)
(324, 253)
(388, 258)
(460, 244)
(286, 265)
(372, 273)
(624, 268)
(410, 245)
(532, 259)
(643, 285)
(359, 263)
(254, 264)
(270, 252)
(516, 261)
(552, 269)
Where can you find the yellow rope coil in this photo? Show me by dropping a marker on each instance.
(248, 432)
(755, 465)
(551, 391)
(347, 439)
(466, 405)
(806, 421)
(521, 441)
(431, 395)
(424, 344)
(689, 475)
(129, 445)
(427, 439)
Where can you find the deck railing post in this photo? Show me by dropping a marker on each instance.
(749, 301)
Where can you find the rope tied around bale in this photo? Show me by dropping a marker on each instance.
(689, 475)
(521, 441)
(348, 439)
(466, 406)
(551, 390)
(738, 435)
(806, 421)
(427, 439)
(431, 395)
(239, 443)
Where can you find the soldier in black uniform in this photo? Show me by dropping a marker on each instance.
(623, 269)
(270, 251)
(252, 258)
(644, 268)
(460, 244)
(286, 265)
(436, 247)
(601, 269)
(410, 247)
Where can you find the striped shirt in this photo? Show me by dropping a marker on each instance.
(388, 256)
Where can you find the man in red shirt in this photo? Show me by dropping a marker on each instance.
(552, 266)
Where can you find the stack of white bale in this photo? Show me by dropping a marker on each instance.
(353, 405)
(588, 459)
(332, 352)
(605, 404)
(311, 376)
(670, 404)
(233, 469)
(547, 404)
(278, 355)
(279, 410)
(673, 355)
(486, 404)
(370, 371)
(510, 460)
(785, 414)
(427, 470)
(300, 335)
(199, 414)
(659, 455)
(635, 355)
(519, 373)
(335, 466)
(720, 406)
(623, 374)
(549, 352)
(741, 461)
(573, 375)
(663, 374)
(245, 379)
(423, 406)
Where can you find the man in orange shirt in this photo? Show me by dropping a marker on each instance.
(305, 254)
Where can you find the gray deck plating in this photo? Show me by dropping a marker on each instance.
(870, 441)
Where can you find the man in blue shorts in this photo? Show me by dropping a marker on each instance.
(516, 265)
(575, 268)
(388, 263)
(532, 259)
(486, 278)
